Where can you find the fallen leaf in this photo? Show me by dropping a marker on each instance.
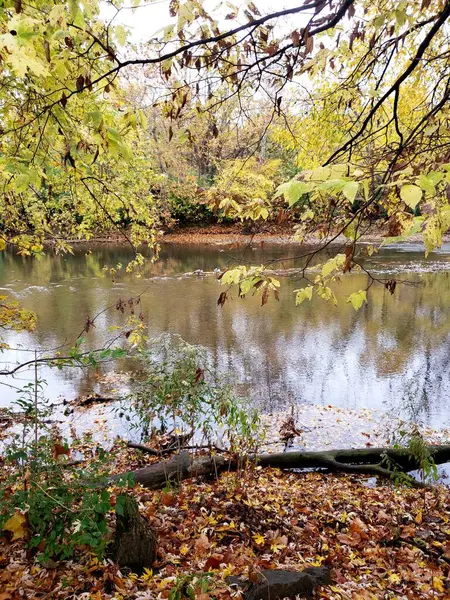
(17, 525)
(438, 584)
(201, 545)
(214, 561)
(168, 499)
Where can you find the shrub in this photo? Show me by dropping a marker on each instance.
(182, 391)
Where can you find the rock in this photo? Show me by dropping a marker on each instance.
(283, 584)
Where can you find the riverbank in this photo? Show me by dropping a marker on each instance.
(377, 542)
(237, 235)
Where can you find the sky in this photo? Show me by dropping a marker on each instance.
(148, 19)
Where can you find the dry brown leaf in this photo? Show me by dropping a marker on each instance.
(201, 545)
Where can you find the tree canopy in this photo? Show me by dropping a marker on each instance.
(336, 110)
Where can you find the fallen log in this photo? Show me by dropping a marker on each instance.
(371, 461)
(179, 467)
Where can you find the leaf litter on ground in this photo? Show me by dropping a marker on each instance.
(381, 542)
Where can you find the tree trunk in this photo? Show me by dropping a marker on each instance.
(134, 544)
(364, 461)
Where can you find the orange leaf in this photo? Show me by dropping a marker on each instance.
(168, 499)
(58, 450)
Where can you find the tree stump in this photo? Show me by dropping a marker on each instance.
(134, 543)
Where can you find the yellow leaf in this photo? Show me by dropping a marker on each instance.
(303, 294)
(438, 584)
(418, 518)
(350, 190)
(259, 539)
(357, 299)
(411, 195)
(17, 525)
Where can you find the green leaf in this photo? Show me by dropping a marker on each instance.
(95, 117)
(357, 299)
(328, 268)
(303, 294)
(327, 294)
(114, 135)
(333, 264)
(350, 190)
(400, 17)
(411, 195)
(21, 182)
(233, 275)
(74, 9)
(435, 177)
(426, 184)
(293, 191)
(120, 503)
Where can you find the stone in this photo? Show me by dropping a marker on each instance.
(280, 583)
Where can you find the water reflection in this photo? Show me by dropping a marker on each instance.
(392, 354)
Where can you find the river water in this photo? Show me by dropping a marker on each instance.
(392, 355)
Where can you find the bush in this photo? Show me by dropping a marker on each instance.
(182, 391)
(54, 508)
(243, 188)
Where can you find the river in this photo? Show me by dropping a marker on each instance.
(391, 355)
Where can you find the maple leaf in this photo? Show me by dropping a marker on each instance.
(395, 578)
(17, 525)
(259, 539)
(278, 544)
